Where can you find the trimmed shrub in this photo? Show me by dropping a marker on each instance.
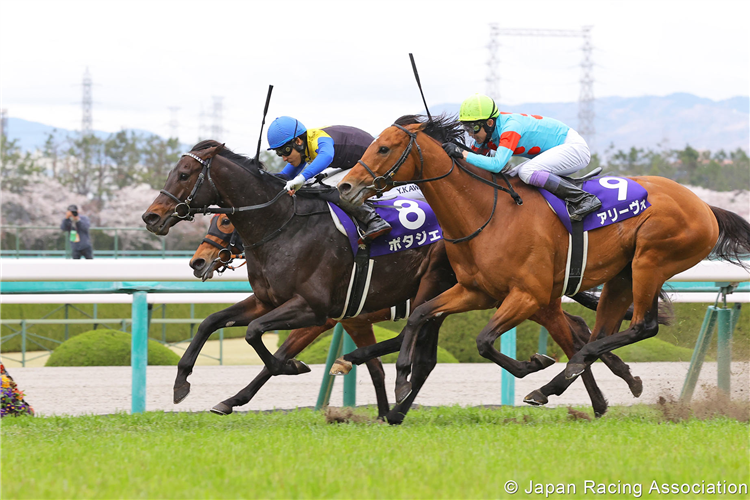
(317, 352)
(106, 348)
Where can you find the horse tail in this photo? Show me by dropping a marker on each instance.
(590, 300)
(734, 238)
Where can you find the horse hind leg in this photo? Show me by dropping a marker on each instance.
(362, 335)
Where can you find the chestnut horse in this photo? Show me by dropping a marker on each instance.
(298, 263)
(517, 261)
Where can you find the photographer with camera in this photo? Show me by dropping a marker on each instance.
(78, 228)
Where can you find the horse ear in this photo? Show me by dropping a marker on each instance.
(211, 152)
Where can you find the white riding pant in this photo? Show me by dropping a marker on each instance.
(565, 159)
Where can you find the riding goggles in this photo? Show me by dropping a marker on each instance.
(286, 149)
(473, 127)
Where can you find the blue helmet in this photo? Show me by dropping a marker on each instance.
(284, 129)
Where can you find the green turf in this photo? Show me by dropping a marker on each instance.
(437, 453)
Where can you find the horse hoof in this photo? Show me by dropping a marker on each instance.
(395, 418)
(222, 409)
(542, 360)
(636, 387)
(180, 393)
(298, 367)
(340, 367)
(402, 392)
(536, 398)
(574, 369)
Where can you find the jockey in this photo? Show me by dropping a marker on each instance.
(309, 151)
(553, 149)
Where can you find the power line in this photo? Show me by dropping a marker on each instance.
(3, 122)
(217, 129)
(586, 96)
(86, 105)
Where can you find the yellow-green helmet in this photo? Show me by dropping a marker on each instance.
(476, 108)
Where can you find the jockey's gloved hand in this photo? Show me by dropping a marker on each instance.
(295, 184)
(453, 150)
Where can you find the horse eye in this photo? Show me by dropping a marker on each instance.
(225, 222)
(383, 150)
(184, 176)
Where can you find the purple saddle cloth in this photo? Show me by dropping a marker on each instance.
(621, 199)
(413, 221)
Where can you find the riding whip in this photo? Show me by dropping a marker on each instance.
(265, 111)
(419, 84)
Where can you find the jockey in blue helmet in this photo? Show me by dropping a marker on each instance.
(309, 151)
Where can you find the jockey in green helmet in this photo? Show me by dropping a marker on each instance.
(553, 150)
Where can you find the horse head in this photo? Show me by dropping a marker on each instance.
(396, 156)
(221, 245)
(183, 188)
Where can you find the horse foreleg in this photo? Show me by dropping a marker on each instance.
(570, 335)
(297, 340)
(240, 314)
(455, 300)
(517, 307)
(425, 359)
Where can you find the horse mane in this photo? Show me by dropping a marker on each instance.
(442, 128)
(244, 161)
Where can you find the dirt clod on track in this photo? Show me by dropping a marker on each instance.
(716, 405)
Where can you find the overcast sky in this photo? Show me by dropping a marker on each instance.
(347, 62)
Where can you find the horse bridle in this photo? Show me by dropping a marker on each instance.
(189, 213)
(226, 256)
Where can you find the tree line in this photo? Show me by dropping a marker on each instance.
(96, 167)
(92, 166)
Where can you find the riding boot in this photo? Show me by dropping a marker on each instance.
(579, 202)
(373, 223)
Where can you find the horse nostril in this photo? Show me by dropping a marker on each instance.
(150, 218)
(345, 187)
(197, 263)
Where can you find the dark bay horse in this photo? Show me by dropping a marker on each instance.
(298, 263)
(517, 262)
(217, 251)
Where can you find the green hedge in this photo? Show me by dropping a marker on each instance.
(106, 348)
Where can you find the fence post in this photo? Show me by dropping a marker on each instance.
(67, 333)
(543, 334)
(116, 242)
(23, 343)
(326, 386)
(699, 354)
(724, 350)
(18, 245)
(350, 379)
(139, 351)
(508, 381)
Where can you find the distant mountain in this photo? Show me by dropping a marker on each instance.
(31, 135)
(645, 122)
